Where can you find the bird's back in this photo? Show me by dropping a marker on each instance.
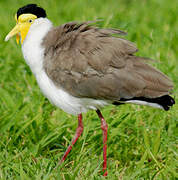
(89, 62)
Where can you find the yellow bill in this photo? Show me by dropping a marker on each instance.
(14, 31)
(22, 27)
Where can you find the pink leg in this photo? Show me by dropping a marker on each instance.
(104, 127)
(78, 133)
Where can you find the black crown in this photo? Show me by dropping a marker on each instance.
(31, 9)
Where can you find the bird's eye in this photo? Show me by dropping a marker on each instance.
(30, 21)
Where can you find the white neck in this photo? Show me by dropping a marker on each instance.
(31, 47)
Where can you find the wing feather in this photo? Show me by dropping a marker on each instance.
(88, 61)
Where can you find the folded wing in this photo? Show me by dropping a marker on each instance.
(87, 61)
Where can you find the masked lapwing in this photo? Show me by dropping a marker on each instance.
(80, 67)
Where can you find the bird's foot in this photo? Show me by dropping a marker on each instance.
(105, 173)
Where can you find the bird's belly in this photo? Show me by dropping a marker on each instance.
(64, 100)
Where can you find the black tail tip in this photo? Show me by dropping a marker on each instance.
(166, 102)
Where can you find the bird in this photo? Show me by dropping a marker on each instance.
(80, 67)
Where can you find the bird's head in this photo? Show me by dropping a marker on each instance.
(25, 17)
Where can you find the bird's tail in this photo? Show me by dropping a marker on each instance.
(157, 86)
(163, 102)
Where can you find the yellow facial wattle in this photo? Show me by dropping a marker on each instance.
(22, 27)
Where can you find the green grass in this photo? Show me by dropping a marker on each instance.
(34, 134)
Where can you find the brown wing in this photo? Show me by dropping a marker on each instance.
(87, 61)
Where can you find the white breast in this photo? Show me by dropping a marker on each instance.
(33, 54)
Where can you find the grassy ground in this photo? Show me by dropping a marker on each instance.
(34, 134)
